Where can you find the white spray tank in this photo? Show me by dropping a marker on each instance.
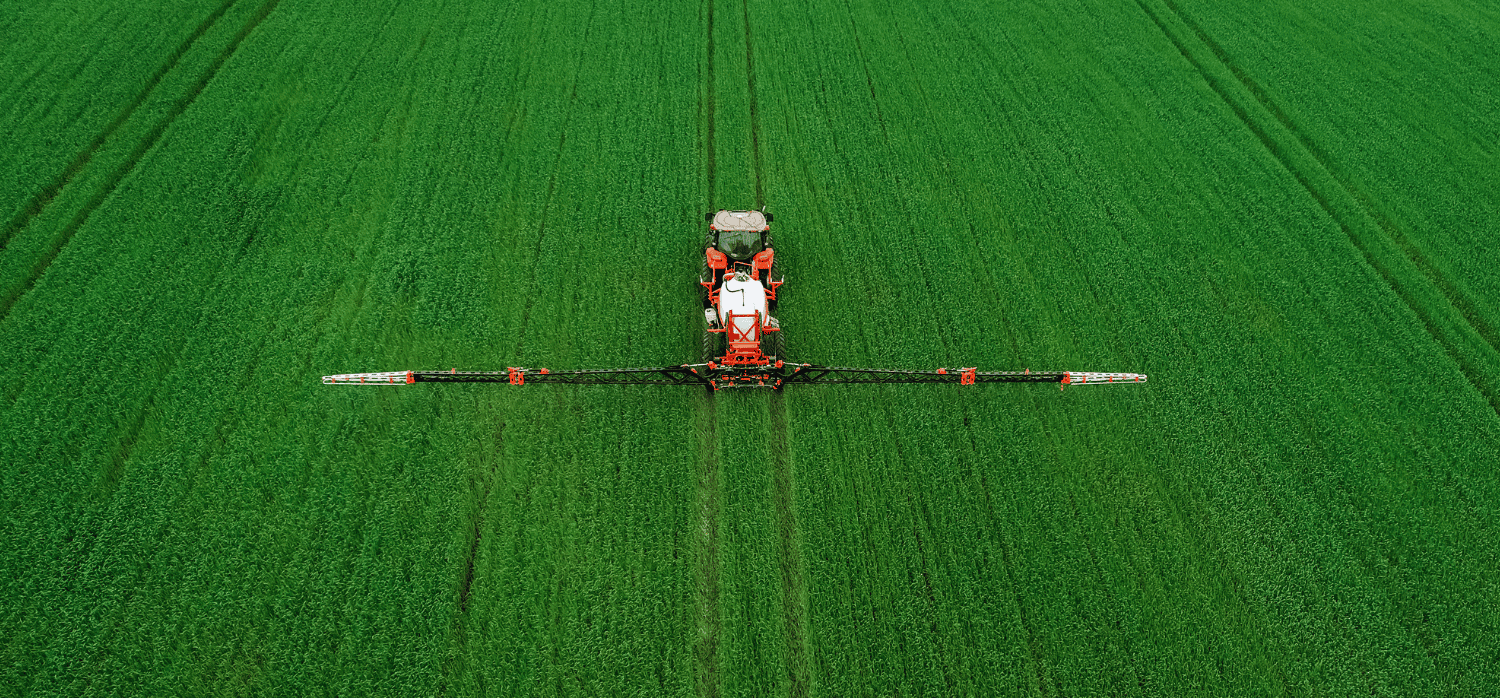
(744, 295)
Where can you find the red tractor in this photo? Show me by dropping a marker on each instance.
(739, 280)
(742, 345)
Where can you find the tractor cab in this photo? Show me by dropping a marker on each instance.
(740, 235)
(740, 245)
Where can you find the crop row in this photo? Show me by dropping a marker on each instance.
(1293, 504)
(1060, 193)
(195, 513)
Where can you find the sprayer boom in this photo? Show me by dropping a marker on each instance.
(717, 376)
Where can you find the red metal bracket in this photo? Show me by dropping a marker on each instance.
(966, 375)
(743, 345)
(516, 376)
(762, 263)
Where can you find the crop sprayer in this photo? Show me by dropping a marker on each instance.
(742, 343)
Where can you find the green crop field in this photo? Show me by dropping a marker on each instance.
(1286, 213)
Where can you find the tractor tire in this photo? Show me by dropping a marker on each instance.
(705, 275)
(712, 341)
(772, 344)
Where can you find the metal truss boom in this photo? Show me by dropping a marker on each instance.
(718, 376)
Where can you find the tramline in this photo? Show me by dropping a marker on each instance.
(739, 281)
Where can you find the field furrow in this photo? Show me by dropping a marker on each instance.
(1385, 118)
(47, 224)
(1446, 313)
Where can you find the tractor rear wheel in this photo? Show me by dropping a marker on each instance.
(772, 344)
(712, 341)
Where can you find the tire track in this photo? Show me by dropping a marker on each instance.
(44, 197)
(454, 663)
(460, 627)
(789, 549)
(1471, 369)
(760, 192)
(793, 585)
(477, 532)
(14, 294)
(562, 141)
(114, 471)
(120, 455)
(943, 664)
(1033, 645)
(1484, 328)
(708, 108)
(708, 622)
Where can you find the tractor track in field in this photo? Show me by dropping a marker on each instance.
(1032, 645)
(760, 192)
(783, 488)
(707, 505)
(460, 632)
(1383, 225)
(43, 198)
(562, 141)
(476, 534)
(916, 531)
(144, 146)
(1486, 330)
(708, 109)
(707, 619)
(708, 623)
(115, 470)
(793, 584)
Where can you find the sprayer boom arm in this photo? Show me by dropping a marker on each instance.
(718, 376)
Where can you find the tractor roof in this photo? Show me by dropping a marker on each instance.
(740, 220)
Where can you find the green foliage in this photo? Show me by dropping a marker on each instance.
(1283, 221)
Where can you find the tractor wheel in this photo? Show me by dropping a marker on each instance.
(711, 346)
(705, 275)
(772, 344)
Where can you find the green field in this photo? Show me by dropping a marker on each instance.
(1288, 215)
